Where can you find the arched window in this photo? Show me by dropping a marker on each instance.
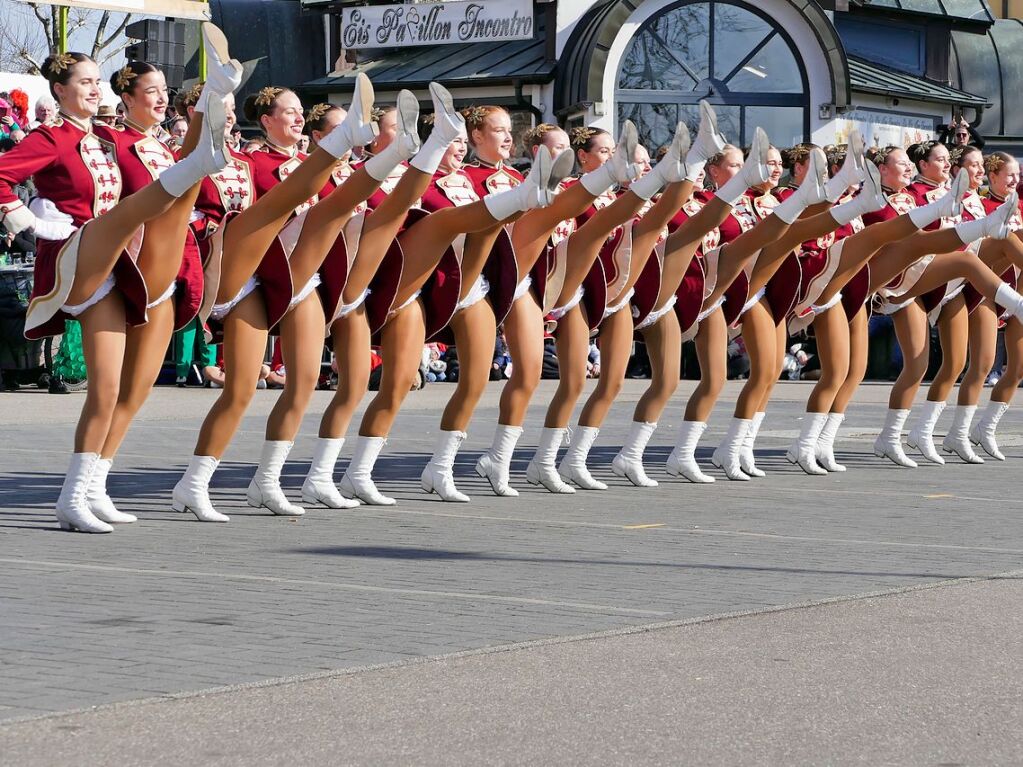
(731, 54)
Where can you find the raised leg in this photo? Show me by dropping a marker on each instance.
(734, 257)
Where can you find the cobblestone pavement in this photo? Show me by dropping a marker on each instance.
(169, 605)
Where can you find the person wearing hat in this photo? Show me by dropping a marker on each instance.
(106, 115)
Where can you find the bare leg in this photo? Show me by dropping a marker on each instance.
(534, 228)
(301, 329)
(858, 345)
(711, 345)
(251, 232)
(983, 324)
(380, 229)
(734, 256)
(351, 339)
(145, 348)
(475, 329)
(103, 345)
(833, 350)
(664, 346)
(861, 248)
(615, 348)
(950, 266)
(953, 331)
(585, 243)
(245, 334)
(758, 332)
(324, 222)
(1012, 376)
(401, 348)
(913, 335)
(523, 330)
(573, 343)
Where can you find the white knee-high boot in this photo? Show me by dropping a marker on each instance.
(629, 461)
(540, 470)
(72, 505)
(983, 431)
(192, 493)
(682, 461)
(957, 440)
(803, 452)
(573, 465)
(921, 436)
(358, 480)
(438, 476)
(319, 487)
(265, 490)
(826, 443)
(726, 457)
(495, 464)
(889, 442)
(100, 504)
(747, 458)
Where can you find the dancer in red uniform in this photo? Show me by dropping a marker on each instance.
(85, 267)
(249, 278)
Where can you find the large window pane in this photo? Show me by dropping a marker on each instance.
(671, 53)
(648, 64)
(772, 70)
(654, 122)
(784, 125)
(736, 33)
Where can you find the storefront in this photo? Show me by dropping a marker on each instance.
(788, 66)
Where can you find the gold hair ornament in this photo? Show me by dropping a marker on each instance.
(267, 95)
(61, 62)
(124, 77)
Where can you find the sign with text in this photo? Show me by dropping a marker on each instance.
(436, 23)
(880, 128)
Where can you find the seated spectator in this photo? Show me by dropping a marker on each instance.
(435, 368)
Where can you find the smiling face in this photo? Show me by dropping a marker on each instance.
(330, 120)
(283, 126)
(146, 103)
(80, 96)
(642, 160)
(938, 166)
(602, 149)
(775, 168)
(972, 164)
(897, 170)
(727, 167)
(1005, 180)
(493, 140)
(454, 156)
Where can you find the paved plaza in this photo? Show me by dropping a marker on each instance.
(870, 617)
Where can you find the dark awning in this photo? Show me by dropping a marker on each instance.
(961, 13)
(993, 64)
(507, 63)
(872, 78)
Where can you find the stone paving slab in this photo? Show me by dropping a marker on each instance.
(170, 605)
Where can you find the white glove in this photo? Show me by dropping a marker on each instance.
(51, 223)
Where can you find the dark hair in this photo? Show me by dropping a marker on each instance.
(960, 153)
(316, 117)
(796, 154)
(123, 80)
(262, 102)
(582, 139)
(921, 152)
(187, 97)
(57, 68)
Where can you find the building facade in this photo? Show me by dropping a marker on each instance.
(801, 69)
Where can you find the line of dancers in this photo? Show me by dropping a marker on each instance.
(384, 235)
